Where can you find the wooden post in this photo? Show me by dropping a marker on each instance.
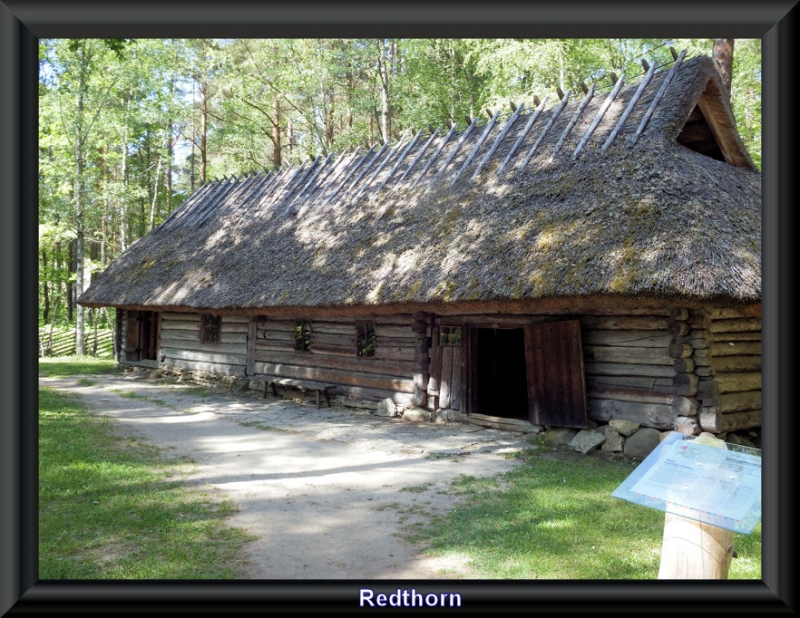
(691, 549)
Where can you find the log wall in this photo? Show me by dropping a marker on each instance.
(637, 368)
(180, 346)
(727, 353)
(333, 358)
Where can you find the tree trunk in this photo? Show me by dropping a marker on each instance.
(722, 54)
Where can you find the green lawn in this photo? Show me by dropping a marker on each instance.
(554, 518)
(111, 507)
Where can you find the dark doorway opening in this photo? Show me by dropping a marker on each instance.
(502, 379)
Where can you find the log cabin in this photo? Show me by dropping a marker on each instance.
(592, 258)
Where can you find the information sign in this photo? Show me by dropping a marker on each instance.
(716, 486)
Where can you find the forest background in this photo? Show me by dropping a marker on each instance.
(129, 128)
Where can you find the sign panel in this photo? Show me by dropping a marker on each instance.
(716, 486)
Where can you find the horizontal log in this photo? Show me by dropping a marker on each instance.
(729, 383)
(649, 384)
(504, 424)
(627, 369)
(713, 421)
(204, 356)
(735, 402)
(625, 322)
(334, 376)
(182, 325)
(365, 365)
(683, 365)
(221, 369)
(394, 353)
(338, 340)
(619, 354)
(396, 342)
(656, 415)
(179, 335)
(329, 328)
(679, 314)
(629, 338)
(629, 394)
(389, 331)
(730, 348)
(277, 326)
(735, 325)
(751, 311)
(171, 315)
(734, 363)
(231, 343)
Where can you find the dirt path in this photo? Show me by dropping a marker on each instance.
(327, 492)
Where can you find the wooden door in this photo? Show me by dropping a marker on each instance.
(447, 367)
(554, 368)
(132, 331)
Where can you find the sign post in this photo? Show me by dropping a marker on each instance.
(708, 490)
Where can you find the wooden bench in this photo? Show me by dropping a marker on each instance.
(321, 389)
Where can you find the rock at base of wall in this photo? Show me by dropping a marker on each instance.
(586, 440)
(560, 436)
(640, 444)
(416, 415)
(386, 407)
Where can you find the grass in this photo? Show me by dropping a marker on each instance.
(111, 507)
(65, 366)
(553, 517)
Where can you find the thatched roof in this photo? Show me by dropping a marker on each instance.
(640, 191)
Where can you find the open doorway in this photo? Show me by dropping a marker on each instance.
(501, 376)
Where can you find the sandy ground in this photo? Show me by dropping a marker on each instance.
(327, 492)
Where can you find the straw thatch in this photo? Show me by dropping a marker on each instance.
(592, 210)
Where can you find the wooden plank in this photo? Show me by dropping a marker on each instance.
(645, 384)
(418, 158)
(718, 313)
(456, 379)
(730, 348)
(434, 370)
(455, 150)
(735, 363)
(623, 394)
(210, 367)
(555, 374)
(446, 377)
(401, 369)
(399, 161)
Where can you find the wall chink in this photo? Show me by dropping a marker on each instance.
(591, 268)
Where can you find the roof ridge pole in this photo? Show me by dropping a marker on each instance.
(351, 172)
(435, 155)
(573, 120)
(340, 166)
(603, 109)
(315, 175)
(521, 136)
(181, 210)
(419, 155)
(456, 148)
(367, 167)
(201, 214)
(388, 157)
(283, 190)
(659, 95)
(650, 72)
(497, 142)
(298, 181)
(547, 127)
(477, 146)
(405, 152)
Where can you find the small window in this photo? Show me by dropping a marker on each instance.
(450, 335)
(302, 336)
(365, 338)
(210, 326)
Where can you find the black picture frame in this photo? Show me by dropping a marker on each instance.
(23, 22)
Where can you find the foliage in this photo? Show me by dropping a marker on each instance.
(130, 127)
